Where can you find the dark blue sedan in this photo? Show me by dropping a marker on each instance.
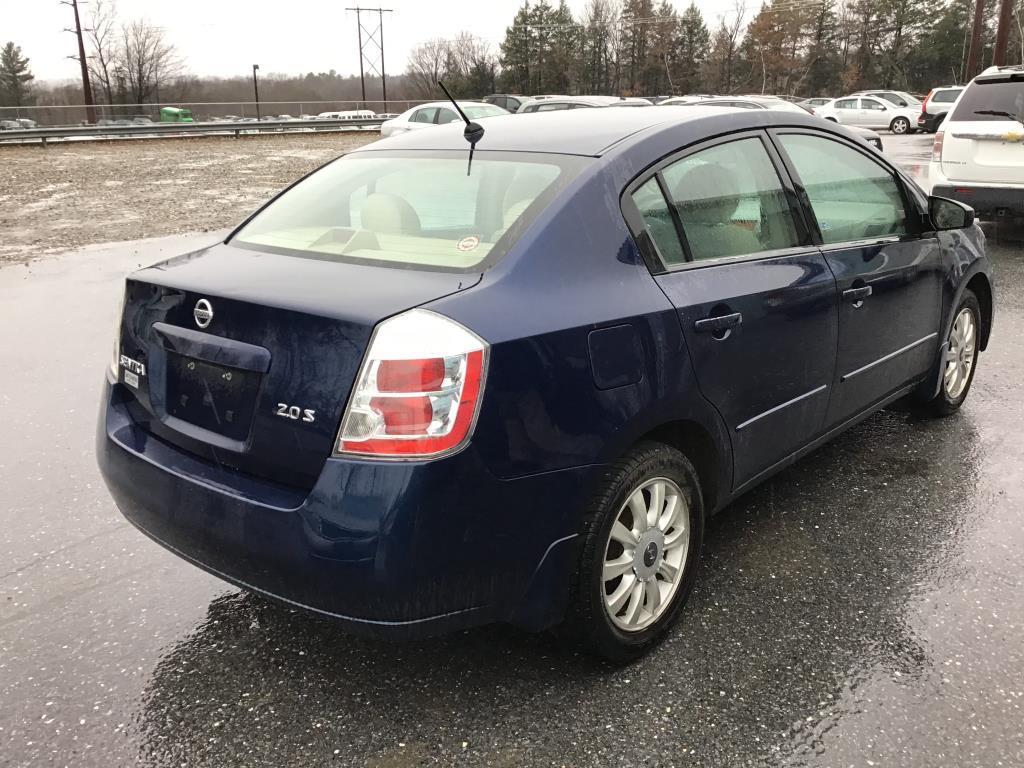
(419, 391)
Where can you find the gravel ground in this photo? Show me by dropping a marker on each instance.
(70, 195)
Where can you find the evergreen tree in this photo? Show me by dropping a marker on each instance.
(515, 53)
(597, 63)
(691, 50)
(634, 44)
(15, 77)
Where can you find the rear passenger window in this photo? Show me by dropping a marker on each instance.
(658, 221)
(730, 201)
(424, 115)
(853, 197)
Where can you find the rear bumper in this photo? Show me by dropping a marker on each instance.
(929, 122)
(402, 549)
(987, 201)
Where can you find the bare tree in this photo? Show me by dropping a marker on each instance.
(148, 61)
(426, 66)
(130, 61)
(103, 41)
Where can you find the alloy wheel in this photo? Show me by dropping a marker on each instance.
(645, 554)
(960, 354)
(900, 125)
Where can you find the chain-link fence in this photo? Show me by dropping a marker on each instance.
(201, 111)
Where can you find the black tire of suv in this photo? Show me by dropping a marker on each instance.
(942, 405)
(587, 622)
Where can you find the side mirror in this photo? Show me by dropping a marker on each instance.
(903, 103)
(949, 214)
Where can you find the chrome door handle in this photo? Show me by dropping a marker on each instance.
(718, 323)
(857, 294)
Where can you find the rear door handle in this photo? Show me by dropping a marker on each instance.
(718, 323)
(857, 294)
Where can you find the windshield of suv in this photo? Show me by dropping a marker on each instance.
(992, 100)
(413, 209)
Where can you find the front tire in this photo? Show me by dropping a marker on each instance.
(899, 126)
(640, 544)
(960, 359)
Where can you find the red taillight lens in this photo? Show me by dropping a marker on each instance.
(410, 375)
(415, 406)
(924, 104)
(937, 147)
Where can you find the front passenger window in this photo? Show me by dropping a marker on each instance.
(852, 196)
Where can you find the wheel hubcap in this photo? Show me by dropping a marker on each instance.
(645, 554)
(960, 354)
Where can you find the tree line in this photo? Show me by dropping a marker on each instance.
(619, 47)
(643, 47)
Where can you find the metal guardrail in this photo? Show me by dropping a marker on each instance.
(43, 135)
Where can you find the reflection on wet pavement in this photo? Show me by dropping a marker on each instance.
(864, 607)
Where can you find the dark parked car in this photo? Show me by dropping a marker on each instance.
(419, 390)
(507, 101)
(556, 103)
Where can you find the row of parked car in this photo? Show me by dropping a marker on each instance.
(17, 124)
(441, 112)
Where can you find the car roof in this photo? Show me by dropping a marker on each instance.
(461, 103)
(580, 132)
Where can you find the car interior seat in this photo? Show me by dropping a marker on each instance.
(706, 198)
(389, 214)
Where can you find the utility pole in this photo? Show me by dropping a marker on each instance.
(1002, 33)
(256, 88)
(90, 105)
(372, 59)
(974, 52)
(383, 77)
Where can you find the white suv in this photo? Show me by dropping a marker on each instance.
(978, 156)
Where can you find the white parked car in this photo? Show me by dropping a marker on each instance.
(779, 105)
(437, 113)
(553, 103)
(899, 98)
(978, 155)
(870, 112)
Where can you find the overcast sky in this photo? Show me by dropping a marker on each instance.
(226, 37)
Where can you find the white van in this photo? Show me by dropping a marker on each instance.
(978, 155)
(352, 114)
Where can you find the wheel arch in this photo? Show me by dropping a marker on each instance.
(697, 444)
(980, 286)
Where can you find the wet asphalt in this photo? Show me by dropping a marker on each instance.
(864, 608)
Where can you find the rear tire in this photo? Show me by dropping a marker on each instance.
(960, 359)
(640, 543)
(899, 126)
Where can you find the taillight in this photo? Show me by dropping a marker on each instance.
(924, 104)
(419, 390)
(937, 147)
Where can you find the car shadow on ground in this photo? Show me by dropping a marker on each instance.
(801, 595)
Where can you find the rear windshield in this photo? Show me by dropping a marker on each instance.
(475, 111)
(1003, 96)
(413, 209)
(945, 97)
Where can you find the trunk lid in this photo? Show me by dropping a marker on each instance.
(246, 359)
(984, 153)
